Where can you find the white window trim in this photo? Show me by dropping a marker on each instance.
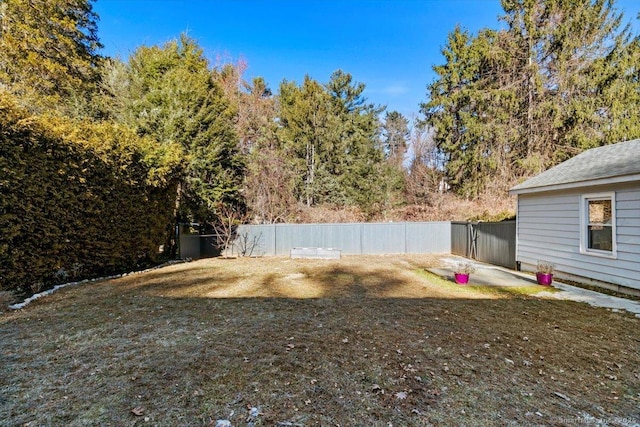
(584, 223)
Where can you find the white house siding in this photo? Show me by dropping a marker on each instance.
(548, 228)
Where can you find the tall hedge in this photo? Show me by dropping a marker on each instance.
(78, 200)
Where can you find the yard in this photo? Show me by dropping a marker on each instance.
(369, 340)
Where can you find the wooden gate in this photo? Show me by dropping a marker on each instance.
(490, 242)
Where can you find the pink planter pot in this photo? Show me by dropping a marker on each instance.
(461, 279)
(544, 279)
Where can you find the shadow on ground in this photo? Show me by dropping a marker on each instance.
(372, 342)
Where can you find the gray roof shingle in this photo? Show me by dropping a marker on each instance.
(608, 161)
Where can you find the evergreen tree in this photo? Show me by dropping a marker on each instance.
(48, 52)
(575, 52)
(464, 110)
(395, 133)
(169, 94)
(257, 124)
(255, 104)
(269, 186)
(331, 136)
(307, 136)
(360, 161)
(510, 103)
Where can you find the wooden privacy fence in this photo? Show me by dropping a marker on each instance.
(490, 242)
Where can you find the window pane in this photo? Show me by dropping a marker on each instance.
(599, 211)
(600, 238)
(597, 231)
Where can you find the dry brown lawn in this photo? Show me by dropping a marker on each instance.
(362, 341)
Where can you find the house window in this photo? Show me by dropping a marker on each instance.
(598, 224)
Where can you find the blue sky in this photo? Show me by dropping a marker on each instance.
(388, 45)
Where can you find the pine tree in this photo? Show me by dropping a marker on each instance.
(360, 163)
(575, 53)
(511, 103)
(331, 136)
(395, 133)
(307, 138)
(463, 108)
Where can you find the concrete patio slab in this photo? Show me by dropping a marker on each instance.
(485, 274)
(491, 275)
(593, 298)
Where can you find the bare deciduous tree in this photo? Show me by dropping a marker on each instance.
(425, 171)
(228, 218)
(247, 244)
(269, 187)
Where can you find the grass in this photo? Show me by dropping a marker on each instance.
(472, 289)
(358, 341)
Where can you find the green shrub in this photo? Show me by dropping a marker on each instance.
(78, 199)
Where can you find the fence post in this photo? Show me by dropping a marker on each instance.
(275, 239)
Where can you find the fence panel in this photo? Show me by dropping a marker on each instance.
(460, 238)
(428, 237)
(351, 239)
(383, 238)
(496, 243)
(190, 246)
(490, 242)
(255, 240)
(345, 237)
